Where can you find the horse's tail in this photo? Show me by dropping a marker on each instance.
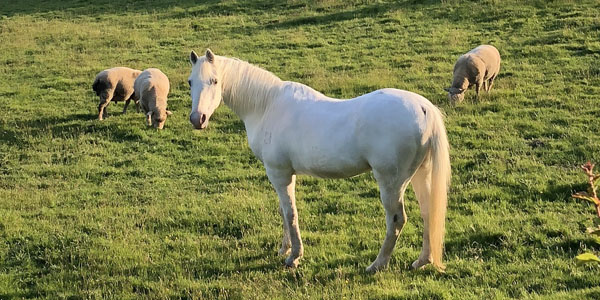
(440, 180)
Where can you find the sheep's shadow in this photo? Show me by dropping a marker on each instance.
(22, 133)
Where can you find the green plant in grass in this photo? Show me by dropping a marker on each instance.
(591, 196)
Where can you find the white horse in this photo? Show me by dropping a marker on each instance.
(294, 129)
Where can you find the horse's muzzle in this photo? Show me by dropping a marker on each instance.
(198, 120)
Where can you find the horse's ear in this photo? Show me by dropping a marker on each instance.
(193, 57)
(210, 56)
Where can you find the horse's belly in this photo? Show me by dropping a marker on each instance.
(326, 166)
(328, 173)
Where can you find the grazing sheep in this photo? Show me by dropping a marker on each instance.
(115, 84)
(151, 88)
(478, 67)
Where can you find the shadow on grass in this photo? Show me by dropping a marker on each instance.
(68, 126)
(483, 240)
(367, 11)
(95, 8)
(268, 262)
(23, 295)
(190, 8)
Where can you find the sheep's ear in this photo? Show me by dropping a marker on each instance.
(210, 57)
(193, 57)
(169, 113)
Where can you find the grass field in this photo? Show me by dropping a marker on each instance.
(116, 210)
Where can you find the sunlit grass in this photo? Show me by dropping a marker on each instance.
(113, 209)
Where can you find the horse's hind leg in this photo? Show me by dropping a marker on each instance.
(284, 183)
(286, 244)
(421, 183)
(391, 190)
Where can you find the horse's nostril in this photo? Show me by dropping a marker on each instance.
(199, 120)
(195, 120)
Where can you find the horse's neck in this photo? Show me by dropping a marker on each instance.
(248, 90)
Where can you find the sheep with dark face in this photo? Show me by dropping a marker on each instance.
(478, 67)
(152, 88)
(115, 84)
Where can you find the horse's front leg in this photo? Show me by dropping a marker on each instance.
(284, 183)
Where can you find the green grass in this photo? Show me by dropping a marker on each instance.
(113, 209)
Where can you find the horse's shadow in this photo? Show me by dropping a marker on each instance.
(267, 261)
(486, 241)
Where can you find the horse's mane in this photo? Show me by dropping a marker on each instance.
(248, 87)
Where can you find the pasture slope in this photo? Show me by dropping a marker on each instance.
(116, 210)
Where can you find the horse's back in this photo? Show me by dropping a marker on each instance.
(393, 109)
(331, 138)
(392, 126)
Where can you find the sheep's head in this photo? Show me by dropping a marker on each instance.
(158, 118)
(455, 95)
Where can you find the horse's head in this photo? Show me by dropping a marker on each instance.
(205, 88)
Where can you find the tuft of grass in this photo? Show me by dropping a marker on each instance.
(113, 209)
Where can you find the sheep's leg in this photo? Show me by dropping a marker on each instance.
(126, 104)
(491, 83)
(105, 98)
(478, 88)
(128, 97)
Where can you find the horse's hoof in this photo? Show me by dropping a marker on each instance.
(374, 268)
(292, 262)
(417, 264)
(284, 251)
